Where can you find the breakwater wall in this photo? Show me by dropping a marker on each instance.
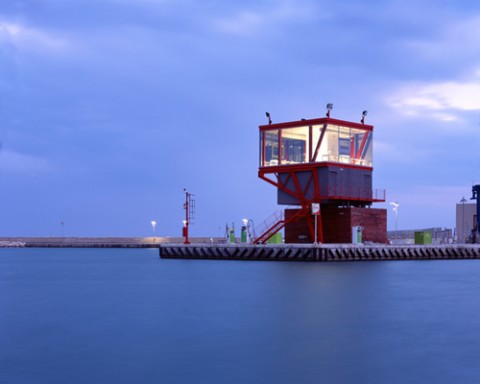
(93, 242)
(326, 252)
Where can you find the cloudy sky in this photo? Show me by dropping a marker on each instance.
(109, 108)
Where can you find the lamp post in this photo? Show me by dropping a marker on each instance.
(154, 224)
(395, 206)
(463, 201)
(244, 238)
(316, 213)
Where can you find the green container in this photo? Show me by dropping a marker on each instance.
(357, 234)
(243, 235)
(423, 237)
(275, 239)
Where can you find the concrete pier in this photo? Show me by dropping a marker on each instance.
(213, 248)
(327, 252)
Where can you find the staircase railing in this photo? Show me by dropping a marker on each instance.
(269, 227)
(273, 224)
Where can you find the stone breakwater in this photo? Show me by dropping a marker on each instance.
(11, 244)
(92, 242)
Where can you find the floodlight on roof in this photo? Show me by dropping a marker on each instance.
(364, 113)
(329, 108)
(268, 117)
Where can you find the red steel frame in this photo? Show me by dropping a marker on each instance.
(334, 193)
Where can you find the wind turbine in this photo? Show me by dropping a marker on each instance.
(395, 206)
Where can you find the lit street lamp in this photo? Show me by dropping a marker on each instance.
(154, 224)
(395, 206)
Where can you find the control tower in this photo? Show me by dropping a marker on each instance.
(325, 164)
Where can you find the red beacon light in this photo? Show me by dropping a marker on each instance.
(189, 207)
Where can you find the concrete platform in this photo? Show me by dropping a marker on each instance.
(309, 252)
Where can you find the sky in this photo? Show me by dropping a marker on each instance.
(110, 108)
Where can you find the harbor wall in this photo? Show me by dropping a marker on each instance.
(216, 249)
(328, 252)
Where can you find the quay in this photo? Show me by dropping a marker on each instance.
(323, 252)
(217, 249)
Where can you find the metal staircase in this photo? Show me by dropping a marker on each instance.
(274, 223)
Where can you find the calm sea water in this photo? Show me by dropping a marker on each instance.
(126, 316)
